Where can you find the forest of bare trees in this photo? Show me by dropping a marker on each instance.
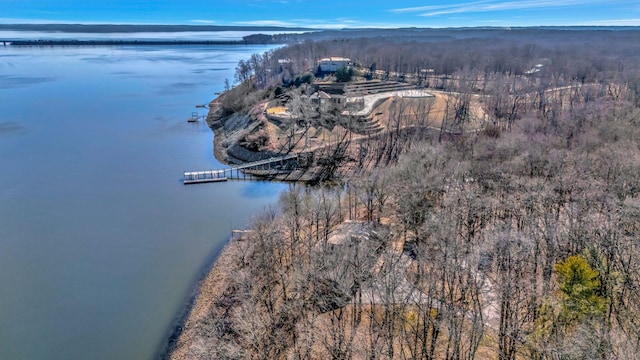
(567, 55)
(517, 240)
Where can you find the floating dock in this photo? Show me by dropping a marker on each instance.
(194, 117)
(199, 177)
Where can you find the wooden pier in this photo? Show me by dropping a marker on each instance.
(235, 172)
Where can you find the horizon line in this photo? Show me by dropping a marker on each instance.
(212, 26)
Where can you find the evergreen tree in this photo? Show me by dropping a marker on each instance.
(578, 284)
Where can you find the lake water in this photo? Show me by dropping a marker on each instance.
(100, 242)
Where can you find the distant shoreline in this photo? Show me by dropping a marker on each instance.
(131, 28)
(129, 42)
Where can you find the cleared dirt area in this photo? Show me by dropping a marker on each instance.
(428, 111)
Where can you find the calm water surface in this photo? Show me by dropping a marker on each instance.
(100, 242)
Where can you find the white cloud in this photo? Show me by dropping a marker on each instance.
(493, 5)
(331, 26)
(339, 23)
(199, 21)
(266, 23)
(435, 7)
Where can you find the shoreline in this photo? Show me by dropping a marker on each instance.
(130, 42)
(177, 345)
(184, 313)
(209, 272)
(213, 270)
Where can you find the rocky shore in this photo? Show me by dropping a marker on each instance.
(229, 131)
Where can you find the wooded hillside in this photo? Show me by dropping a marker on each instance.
(518, 240)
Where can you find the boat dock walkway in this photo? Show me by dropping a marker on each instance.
(235, 172)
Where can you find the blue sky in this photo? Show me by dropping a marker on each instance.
(327, 13)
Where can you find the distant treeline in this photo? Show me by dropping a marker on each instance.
(562, 56)
(117, 28)
(256, 39)
(119, 42)
(517, 36)
(530, 34)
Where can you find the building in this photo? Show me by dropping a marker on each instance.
(325, 101)
(333, 64)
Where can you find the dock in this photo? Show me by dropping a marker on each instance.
(235, 172)
(199, 177)
(195, 117)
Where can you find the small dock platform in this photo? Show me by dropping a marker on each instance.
(199, 177)
(194, 117)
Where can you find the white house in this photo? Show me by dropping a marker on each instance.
(333, 64)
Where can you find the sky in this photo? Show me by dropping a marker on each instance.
(328, 13)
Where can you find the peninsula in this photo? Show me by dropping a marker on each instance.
(488, 205)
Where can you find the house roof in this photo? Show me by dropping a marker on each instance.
(320, 95)
(334, 58)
